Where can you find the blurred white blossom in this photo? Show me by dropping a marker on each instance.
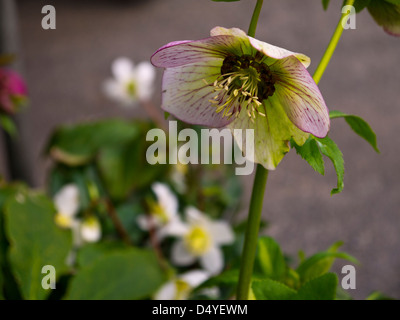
(201, 239)
(130, 83)
(163, 215)
(90, 229)
(67, 205)
(179, 288)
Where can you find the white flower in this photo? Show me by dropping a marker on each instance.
(67, 204)
(180, 287)
(130, 84)
(201, 239)
(90, 229)
(164, 215)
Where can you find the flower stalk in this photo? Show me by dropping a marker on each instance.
(331, 46)
(260, 180)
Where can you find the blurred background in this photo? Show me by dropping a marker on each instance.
(65, 68)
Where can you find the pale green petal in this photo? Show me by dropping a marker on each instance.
(272, 133)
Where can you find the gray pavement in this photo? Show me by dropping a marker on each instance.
(65, 68)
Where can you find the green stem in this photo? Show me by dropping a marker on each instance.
(254, 18)
(260, 180)
(331, 47)
(251, 237)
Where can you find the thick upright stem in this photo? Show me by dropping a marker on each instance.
(252, 229)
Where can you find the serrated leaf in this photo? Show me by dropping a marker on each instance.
(269, 289)
(321, 288)
(35, 241)
(329, 148)
(270, 261)
(359, 126)
(321, 262)
(129, 275)
(309, 151)
(325, 4)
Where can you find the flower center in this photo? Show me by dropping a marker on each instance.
(244, 83)
(131, 88)
(159, 211)
(198, 241)
(182, 290)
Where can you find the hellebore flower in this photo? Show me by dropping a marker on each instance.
(233, 80)
(386, 13)
(201, 239)
(163, 215)
(180, 287)
(130, 84)
(12, 91)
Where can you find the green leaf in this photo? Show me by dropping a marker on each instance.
(269, 259)
(321, 262)
(132, 274)
(309, 151)
(8, 125)
(329, 148)
(321, 288)
(359, 126)
(359, 5)
(395, 2)
(376, 295)
(35, 241)
(79, 144)
(325, 4)
(125, 168)
(90, 253)
(166, 115)
(272, 290)
(229, 277)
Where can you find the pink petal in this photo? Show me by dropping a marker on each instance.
(277, 52)
(179, 53)
(186, 95)
(300, 97)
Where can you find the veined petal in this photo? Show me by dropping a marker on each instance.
(300, 97)
(179, 53)
(187, 90)
(277, 52)
(272, 133)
